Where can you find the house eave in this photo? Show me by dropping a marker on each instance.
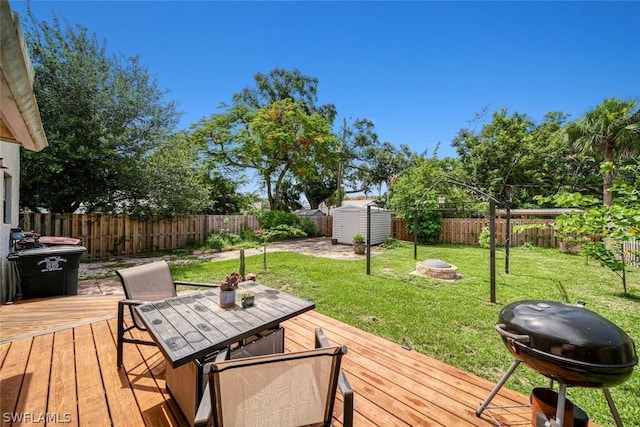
(21, 121)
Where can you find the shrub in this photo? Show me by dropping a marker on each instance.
(272, 219)
(484, 240)
(215, 241)
(429, 227)
(308, 226)
(391, 243)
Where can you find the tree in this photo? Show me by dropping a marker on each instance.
(610, 130)
(225, 197)
(275, 128)
(280, 84)
(416, 191)
(365, 161)
(280, 141)
(497, 157)
(176, 180)
(602, 229)
(101, 115)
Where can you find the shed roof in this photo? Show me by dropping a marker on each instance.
(309, 212)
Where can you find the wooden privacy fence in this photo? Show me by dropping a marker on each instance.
(467, 231)
(106, 235)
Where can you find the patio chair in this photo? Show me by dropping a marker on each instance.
(287, 389)
(142, 284)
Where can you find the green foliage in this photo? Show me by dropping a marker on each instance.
(274, 129)
(601, 229)
(176, 180)
(392, 243)
(102, 115)
(280, 232)
(358, 239)
(484, 240)
(610, 132)
(421, 185)
(271, 219)
(515, 159)
(215, 242)
(307, 226)
(429, 226)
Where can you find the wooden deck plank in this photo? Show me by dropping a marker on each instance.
(120, 397)
(393, 386)
(12, 375)
(92, 402)
(398, 391)
(28, 318)
(432, 386)
(35, 385)
(142, 369)
(62, 386)
(366, 410)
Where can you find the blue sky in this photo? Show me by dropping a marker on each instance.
(418, 70)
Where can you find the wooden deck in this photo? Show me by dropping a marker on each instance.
(62, 366)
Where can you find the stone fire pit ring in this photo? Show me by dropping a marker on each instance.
(437, 269)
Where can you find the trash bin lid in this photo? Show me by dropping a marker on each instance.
(54, 240)
(48, 251)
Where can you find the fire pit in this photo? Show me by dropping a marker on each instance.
(568, 344)
(437, 269)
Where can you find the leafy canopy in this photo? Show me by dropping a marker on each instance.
(102, 114)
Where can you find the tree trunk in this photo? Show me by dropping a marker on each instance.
(607, 179)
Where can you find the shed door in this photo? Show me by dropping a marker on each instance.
(350, 226)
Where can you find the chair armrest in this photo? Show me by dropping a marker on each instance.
(347, 395)
(343, 383)
(196, 284)
(124, 302)
(203, 413)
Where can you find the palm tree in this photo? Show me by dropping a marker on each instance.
(611, 130)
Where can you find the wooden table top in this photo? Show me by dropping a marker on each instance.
(191, 326)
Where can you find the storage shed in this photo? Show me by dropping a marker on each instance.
(349, 220)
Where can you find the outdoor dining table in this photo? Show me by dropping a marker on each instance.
(191, 327)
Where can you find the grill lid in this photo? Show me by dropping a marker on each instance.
(569, 331)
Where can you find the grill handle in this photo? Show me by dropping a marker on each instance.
(524, 339)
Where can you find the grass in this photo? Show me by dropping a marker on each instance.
(454, 321)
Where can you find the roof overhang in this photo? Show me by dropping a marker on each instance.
(20, 117)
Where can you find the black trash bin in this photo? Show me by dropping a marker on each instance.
(48, 271)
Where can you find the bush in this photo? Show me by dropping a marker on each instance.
(484, 240)
(391, 243)
(215, 241)
(272, 219)
(308, 226)
(429, 227)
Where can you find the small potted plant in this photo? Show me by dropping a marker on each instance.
(248, 299)
(228, 290)
(358, 244)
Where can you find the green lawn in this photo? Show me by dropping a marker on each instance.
(454, 322)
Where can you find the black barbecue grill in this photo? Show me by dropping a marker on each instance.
(568, 344)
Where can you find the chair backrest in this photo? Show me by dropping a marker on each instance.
(147, 282)
(288, 389)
